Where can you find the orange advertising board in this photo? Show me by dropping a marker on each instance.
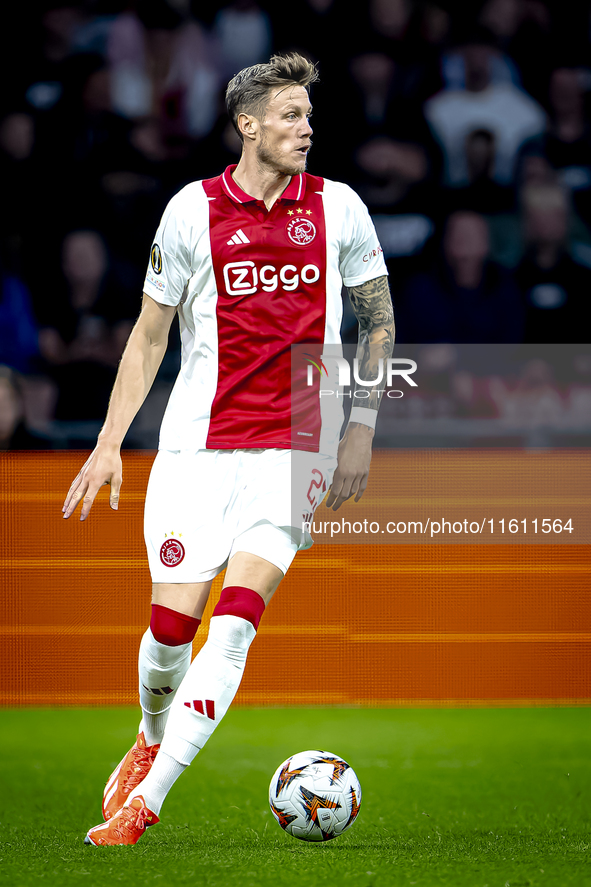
(467, 623)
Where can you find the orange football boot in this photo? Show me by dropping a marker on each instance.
(125, 827)
(132, 770)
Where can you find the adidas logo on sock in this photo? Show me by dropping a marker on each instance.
(158, 691)
(238, 238)
(197, 705)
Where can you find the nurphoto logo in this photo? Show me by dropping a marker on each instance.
(402, 367)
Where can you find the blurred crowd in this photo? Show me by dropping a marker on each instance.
(466, 128)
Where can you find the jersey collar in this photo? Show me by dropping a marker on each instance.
(293, 192)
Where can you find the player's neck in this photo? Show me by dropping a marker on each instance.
(260, 182)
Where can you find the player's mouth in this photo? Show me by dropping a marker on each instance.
(304, 149)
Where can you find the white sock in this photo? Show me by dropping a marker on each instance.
(158, 782)
(209, 688)
(161, 670)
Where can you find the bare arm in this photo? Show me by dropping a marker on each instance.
(373, 308)
(140, 362)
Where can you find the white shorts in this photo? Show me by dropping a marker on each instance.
(203, 507)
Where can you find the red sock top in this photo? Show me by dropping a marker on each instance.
(172, 628)
(235, 600)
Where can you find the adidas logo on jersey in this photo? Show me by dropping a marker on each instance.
(238, 238)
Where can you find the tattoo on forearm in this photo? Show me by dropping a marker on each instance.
(372, 305)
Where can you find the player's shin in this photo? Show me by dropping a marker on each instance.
(206, 691)
(164, 658)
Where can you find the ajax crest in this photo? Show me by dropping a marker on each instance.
(301, 231)
(172, 552)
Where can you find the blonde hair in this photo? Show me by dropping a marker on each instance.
(248, 91)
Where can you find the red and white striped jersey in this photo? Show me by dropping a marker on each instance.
(249, 284)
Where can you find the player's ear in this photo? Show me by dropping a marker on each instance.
(248, 126)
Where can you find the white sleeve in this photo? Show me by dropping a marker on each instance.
(361, 257)
(169, 268)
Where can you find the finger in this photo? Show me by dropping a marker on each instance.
(344, 494)
(334, 491)
(88, 502)
(330, 496)
(115, 488)
(362, 487)
(72, 502)
(76, 483)
(73, 487)
(355, 485)
(76, 480)
(341, 501)
(90, 494)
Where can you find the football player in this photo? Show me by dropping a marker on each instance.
(253, 262)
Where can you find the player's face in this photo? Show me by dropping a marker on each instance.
(285, 131)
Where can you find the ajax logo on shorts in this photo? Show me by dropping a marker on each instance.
(244, 278)
(172, 552)
(301, 231)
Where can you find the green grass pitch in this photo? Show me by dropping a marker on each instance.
(453, 797)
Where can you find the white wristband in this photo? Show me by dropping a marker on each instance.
(364, 415)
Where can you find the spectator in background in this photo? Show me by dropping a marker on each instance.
(579, 391)
(19, 345)
(435, 24)
(73, 141)
(522, 30)
(556, 289)
(14, 434)
(455, 69)
(110, 104)
(96, 126)
(139, 53)
(535, 398)
(395, 155)
(19, 336)
(130, 186)
(244, 35)
(164, 68)
(83, 328)
(17, 136)
(567, 144)
(500, 108)
(393, 170)
(406, 32)
(481, 193)
(374, 79)
(465, 298)
(50, 73)
(21, 173)
(69, 101)
(312, 30)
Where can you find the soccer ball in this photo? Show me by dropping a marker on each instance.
(315, 796)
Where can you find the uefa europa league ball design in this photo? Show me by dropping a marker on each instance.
(315, 796)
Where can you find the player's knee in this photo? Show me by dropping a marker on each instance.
(171, 628)
(236, 600)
